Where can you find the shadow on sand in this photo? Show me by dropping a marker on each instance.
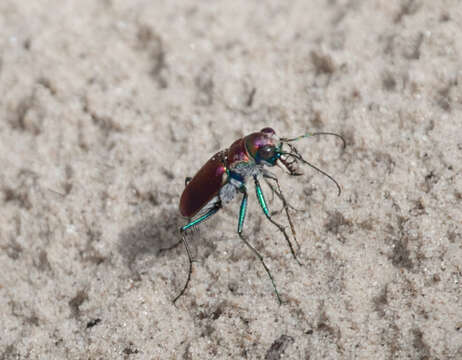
(150, 236)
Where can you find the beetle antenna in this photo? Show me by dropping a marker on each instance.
(297, 156)
(287, 140)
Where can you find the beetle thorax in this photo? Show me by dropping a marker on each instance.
(246, 169)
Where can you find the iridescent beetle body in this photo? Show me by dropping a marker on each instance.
(204, 186)
(225, 175)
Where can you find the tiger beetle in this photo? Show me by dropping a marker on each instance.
(226, 174)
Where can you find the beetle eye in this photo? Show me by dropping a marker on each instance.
(266, 152)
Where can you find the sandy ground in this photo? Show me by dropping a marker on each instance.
(106, 106)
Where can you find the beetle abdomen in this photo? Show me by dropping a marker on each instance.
(204, 185)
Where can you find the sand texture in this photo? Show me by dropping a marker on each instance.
(107, 105)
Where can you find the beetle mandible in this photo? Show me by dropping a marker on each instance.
(225, 175)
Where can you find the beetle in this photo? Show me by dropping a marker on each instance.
(225, 175)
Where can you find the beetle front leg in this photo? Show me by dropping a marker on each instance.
(267, 175)
(240, 226)
(261, 200)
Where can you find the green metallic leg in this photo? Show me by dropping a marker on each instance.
(191, 224)
(201, 218)
(240, 226)
(185, 242)
(261, 200)
(186, 181)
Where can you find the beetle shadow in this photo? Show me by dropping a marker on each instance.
(150, 236)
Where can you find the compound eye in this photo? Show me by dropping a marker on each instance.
(266, 152)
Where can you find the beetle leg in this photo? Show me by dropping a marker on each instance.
(269, 175)
(261, 200)
(202, 218)
(185, 242)
(272, 192)
(187, 179)
(161, 250)
(240, 226)
(285, 204)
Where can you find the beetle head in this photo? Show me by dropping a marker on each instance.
(267, 149)
(264, 146)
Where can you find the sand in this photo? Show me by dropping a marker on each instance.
(106, 106)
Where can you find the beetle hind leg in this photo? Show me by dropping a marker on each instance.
(191, 225)
(185, 242)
